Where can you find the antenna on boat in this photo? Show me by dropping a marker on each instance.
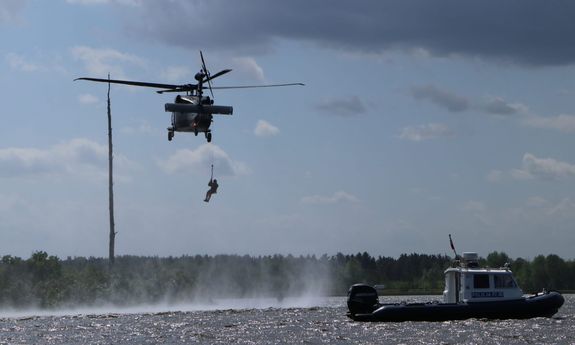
(452, 246)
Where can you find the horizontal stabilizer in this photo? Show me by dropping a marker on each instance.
(204, 109)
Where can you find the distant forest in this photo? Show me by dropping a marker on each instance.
(48, 282)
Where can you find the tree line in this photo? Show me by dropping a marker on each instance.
(46, 281)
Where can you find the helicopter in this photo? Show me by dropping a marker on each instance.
(191, 112)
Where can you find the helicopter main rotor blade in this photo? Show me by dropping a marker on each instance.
(139, 83)
(256, 86)
(206, 73)
(222, 72)
(181, 89)
(203, 62)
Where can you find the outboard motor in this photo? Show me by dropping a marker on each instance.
(361, 299)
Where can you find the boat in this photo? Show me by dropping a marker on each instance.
(470, 292)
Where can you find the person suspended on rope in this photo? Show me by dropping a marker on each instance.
(213, 186)
(213, 189)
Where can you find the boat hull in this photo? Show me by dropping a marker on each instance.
(541, 305)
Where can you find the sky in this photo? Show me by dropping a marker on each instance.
(418, 119)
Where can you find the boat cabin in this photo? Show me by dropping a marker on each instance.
(470, 283)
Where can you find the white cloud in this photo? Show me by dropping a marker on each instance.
(536, 201)
(546, 168)
(345, 106)
(425, 132)
(100, 62)
(9, 10)
(98, 2)
(540, 207)
(562, 122)
(565, 207)
(533, 167)
(79, 157)
(198, 161)
(87, 98)
(498, 106)
(265, 129)
(176, 73)
(88, 2)
(519, 174)
(495, 176)
(249, 68)
(473, 206)
(337, 197)
(41, 61)
(443, 98)
(19, 63)
(143, 127)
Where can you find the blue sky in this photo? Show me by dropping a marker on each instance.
(418, 119)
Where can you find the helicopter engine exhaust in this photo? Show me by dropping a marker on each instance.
(204, 109)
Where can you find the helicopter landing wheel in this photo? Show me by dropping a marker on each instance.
(170, 135)
(209, 137)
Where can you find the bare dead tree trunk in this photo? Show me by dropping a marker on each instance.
(111, 182)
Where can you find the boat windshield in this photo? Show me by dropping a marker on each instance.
(504, 281)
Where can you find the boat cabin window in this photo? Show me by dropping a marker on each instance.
(504, 281)
(481, 281)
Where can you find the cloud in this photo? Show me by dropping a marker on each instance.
(473, 206)
(507, 31)
(198, 162)
(87, 98)
(495, 176)
(19, 63)
(143, 127)
(100, 62)
(265, 129)
(80, 157)
(10, 9)
(562, 122)
(100, 2)
(176, 73)
(41, 61)
(337, 197)
(543, 168)
(249, 68)
(532, 168)
(565, 207)
(440, 97)
(542, 208)
(345, 106)
(498, 106)
(425, 132)
(477, 210)
(88, 2)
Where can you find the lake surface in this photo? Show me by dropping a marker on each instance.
(266, 321)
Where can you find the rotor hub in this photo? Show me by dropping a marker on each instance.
(199, 76)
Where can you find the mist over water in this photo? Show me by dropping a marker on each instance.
(322, 324)
(154, 285)
(212, 305)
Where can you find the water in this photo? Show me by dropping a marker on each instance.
(319, 321)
